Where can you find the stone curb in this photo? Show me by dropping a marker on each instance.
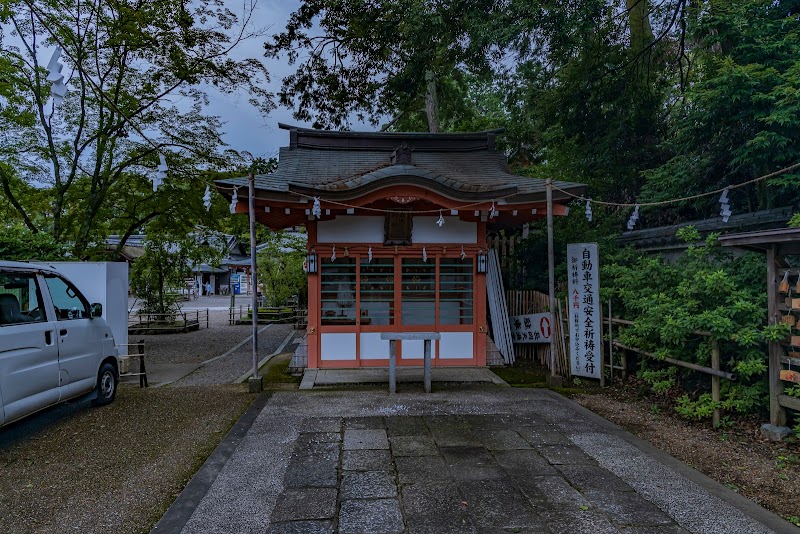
(184, 506)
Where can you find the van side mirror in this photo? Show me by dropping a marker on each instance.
(96, 310)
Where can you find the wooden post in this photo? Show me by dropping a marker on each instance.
(715, 381)
(427, 363)
(142, 371)
(253, 283)
(392, 367)
(777, 415)
(551, 272)
(610, 346)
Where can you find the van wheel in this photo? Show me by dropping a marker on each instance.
(106, 385)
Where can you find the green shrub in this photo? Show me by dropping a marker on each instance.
(705, 290)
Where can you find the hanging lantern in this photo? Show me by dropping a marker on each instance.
(58, 90)
(588, 210)
(311, 262)
(234, 199)
(634, 218)
(316, 211)
(725, 208)
(482, 262)
(369, 254)
(440, 222)
(333, 253)
(424, 255)
(207, 198)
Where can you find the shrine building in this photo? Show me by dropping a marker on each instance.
(397, 226)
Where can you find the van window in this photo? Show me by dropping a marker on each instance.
(68, 301)
(20, 299)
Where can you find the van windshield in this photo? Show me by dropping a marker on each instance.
(67, 300)
(20, 299)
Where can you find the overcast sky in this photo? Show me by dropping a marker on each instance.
(245, 128)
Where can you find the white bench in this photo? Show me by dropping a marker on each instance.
(393, 338)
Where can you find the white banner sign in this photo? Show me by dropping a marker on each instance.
(585, 321)
(532, 328)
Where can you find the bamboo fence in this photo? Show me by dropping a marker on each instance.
(530, 301)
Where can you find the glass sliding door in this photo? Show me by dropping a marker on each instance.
(456, 291)
(418, 292)
(376, 288)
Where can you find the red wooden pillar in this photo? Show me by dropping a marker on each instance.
(314, 304)
(481, 325)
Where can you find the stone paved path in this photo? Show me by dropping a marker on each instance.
(480, 460)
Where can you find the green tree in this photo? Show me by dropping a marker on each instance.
(158, 276)
(18, 243)
(135, 75)
(740, 115)
(280, 268)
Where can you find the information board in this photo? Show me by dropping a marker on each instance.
(585, 321)
(531, 328)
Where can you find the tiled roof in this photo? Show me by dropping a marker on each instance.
(664, 237)
(347, 164)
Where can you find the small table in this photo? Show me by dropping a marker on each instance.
(393, 338)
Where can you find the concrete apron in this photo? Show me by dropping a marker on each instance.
(380, 375)
(468, 460)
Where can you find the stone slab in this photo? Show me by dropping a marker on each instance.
(421, 469)
(498, 504)
(376, 516)
(302, 527)
(317, 472)
(565, 454)
(309, 378)
(436, 507)
(310, 503)
(627, 508)
(413, 446)
(503, 440)
(322, 424)
(774, 432)
(412, 425)
(471, 463)
(592, 477)
(367, 485)
(367, 460)
(524, 463)
(365, 439)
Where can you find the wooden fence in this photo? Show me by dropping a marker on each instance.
(530, 301)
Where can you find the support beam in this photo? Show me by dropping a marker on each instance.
(551, 272)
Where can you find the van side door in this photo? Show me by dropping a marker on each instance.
(80, 344)
(28, 346)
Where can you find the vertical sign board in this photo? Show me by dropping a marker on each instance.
(585, 321)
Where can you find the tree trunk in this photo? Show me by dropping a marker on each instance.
(639, 23)
(432, 103)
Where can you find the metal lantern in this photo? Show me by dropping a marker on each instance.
(311, 262)
(482, 261)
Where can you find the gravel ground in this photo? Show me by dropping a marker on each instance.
(194, 347)
(231, 367)
(764, 472)
(74, 468)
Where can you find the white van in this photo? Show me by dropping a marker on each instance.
(54, 346)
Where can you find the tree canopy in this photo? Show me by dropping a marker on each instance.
(639, 99)
(135, 74)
